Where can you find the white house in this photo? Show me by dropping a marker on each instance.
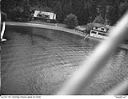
(100, 31)
(45, 15)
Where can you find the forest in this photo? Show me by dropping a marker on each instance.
(85, 10)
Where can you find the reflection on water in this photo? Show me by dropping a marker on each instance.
(39, 61)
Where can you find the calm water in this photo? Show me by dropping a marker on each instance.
(39, 61)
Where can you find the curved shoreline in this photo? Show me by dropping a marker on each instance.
(58, 28)
(44, 26)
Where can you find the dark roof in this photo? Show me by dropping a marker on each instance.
(101, 25)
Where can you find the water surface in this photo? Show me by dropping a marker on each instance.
(39, 61)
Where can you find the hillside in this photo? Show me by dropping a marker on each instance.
(85, 10)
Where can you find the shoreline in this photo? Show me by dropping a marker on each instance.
(58, 28)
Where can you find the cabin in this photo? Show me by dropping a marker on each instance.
(100, 31)
(45, 16)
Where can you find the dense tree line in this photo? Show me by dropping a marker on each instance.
(85, 10)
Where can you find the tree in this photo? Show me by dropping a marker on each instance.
(71, 21)
(59, 11)
(123, 7)
(15, 13)
(99, 19)
(89, 27)
(110, 15)
(85, 10)
(27, 12)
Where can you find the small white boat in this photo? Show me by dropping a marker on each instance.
(99, 32)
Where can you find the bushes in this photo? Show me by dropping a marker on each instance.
(27, 12)
(71, 21)
(89, 27)
(19, 13)
(15, 13)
